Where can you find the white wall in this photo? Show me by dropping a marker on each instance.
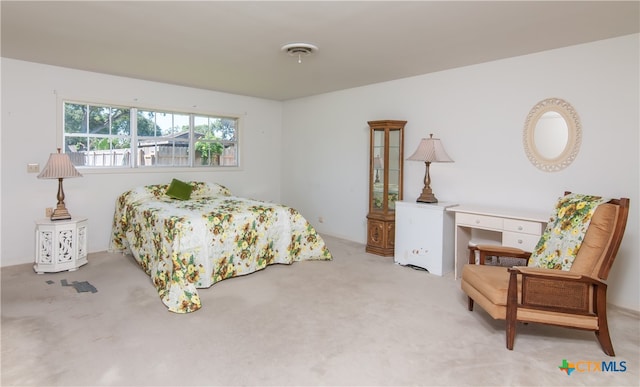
(29, 136)
(479, 113)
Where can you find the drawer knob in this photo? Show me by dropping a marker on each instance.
(519, 228)
(477, 221)
(520, 241)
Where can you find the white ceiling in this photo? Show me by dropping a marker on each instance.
(234, 46)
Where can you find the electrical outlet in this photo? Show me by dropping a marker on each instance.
(320, 219)
(48, 212)
(33, 168)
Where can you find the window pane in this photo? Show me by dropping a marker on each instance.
(121, 121)
(147, 124)
(208, 147)
(163, 152)
(181, 124)
(227, 129)
(99, 119)
(216, 127)
(168, 145)
(164, 121)
(202, 125)
(75, 147)
(75, 118)
(76, 143)
(101, 152)
(208, 152)
(215, 137)
(229, 156)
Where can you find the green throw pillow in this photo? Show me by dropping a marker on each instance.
(179, 190)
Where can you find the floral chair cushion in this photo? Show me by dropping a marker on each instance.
(559, 244)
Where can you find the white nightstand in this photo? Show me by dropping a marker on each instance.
(60, 245)
(424, 236)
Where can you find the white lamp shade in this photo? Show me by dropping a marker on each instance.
(430, 150)
(377, 162)
(59, 166)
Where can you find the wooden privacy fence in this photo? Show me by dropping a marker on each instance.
(161, 155)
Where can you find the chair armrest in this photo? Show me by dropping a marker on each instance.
(501, 250)
(496, 250)
(554, 274)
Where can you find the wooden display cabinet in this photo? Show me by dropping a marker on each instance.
(385, 184)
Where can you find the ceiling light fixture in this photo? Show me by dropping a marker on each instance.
(299, 50)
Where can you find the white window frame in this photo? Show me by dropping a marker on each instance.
(134, 167)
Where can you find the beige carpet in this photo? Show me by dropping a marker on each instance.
(357, 320)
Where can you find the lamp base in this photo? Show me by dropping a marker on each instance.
(60, 213)
(427, 196)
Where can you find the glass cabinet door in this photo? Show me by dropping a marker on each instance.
(394, 187)
(378, 178)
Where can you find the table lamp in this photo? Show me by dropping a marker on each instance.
(430, 150)
(59, 167)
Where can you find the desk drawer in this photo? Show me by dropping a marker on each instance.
(526, 242)
(479, 221)
(523, 226)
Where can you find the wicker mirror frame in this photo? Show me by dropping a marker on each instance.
(570, 151)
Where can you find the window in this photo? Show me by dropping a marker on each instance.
(108, 136)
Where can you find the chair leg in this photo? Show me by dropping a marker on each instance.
(470, 304)
(605, 341)
(512, 309)
(511, 333)
(602, 334)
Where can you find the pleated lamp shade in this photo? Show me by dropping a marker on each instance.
(431, 150)
(59, 166)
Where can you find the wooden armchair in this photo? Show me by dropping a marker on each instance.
(576, 298)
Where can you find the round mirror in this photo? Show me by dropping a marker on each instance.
(552, 135)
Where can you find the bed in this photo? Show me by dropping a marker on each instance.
(184, 245)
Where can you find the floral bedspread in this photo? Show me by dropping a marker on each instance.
(190, 244)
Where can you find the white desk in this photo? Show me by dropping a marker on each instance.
(490, 225)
